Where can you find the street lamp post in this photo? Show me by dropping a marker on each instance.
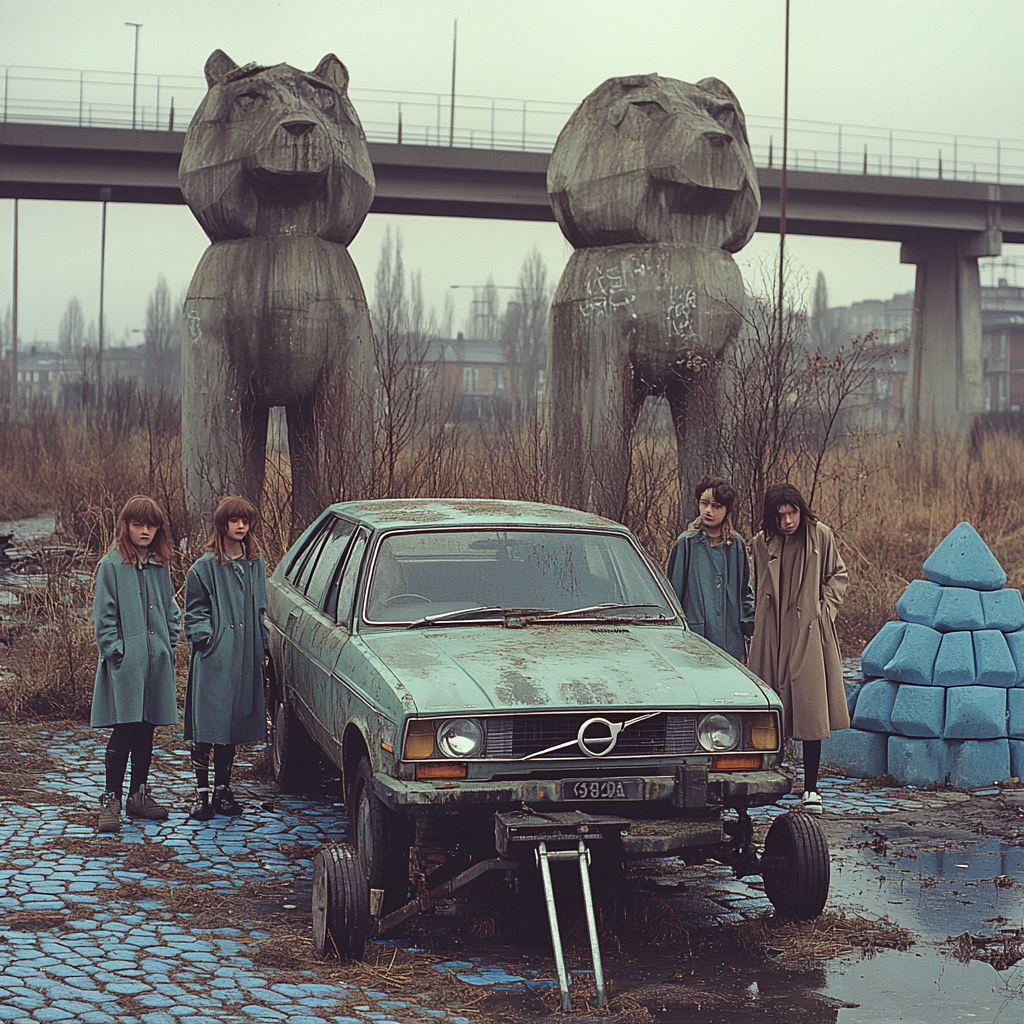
(135, 73)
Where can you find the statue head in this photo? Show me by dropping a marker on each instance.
(276, 151)
(652, 159)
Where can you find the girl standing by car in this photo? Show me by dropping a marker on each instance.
(135, 619)
(710, 572)
(225, 603)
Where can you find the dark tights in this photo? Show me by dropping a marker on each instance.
(129, 739)
(223, 758)
(812, 759)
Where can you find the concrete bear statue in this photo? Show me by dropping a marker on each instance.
(653, 183)
(276, 169)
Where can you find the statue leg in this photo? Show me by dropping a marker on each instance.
(254, 422)
(307, 501)
(613, 408)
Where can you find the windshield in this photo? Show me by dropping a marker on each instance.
(485, 573)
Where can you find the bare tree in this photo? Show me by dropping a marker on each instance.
(71, 332)
(163, 339)
(528, 350)
(824, 330)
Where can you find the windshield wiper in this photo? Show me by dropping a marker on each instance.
(548, 616)
(465, 613)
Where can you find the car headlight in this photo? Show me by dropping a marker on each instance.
(719, 732)
(460, 737)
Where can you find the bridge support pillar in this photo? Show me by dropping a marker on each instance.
(946, 385)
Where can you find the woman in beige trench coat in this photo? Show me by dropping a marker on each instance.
(799, 581)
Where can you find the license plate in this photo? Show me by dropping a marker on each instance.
(602, 789)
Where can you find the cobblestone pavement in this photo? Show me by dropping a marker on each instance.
(123, 928)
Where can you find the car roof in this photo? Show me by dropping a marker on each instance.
(404, 513)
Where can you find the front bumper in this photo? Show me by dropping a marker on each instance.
(691, 789)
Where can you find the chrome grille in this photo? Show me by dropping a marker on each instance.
(519, 736)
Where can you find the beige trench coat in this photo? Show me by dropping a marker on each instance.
(813, 693)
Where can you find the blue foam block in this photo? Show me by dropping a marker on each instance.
(959, 608)
(853, 692)
(874, 706)
(861, 755)
(1015, 643)
(993, 664)
(1004, 609)
(1017, 758)
(914, 661)
(1015, 713)
(975, 713)
(881, 648)
(919, 602)
(919, 762)
(962, 559)
(980, 763)
(920, 711)
(954, 664)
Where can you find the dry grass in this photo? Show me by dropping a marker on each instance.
(890, 502)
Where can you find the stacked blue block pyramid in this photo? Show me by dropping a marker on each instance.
(943, 700)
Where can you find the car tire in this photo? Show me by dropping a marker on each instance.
(293, 755)
(341, 902)
(381, 838)
(795, 866)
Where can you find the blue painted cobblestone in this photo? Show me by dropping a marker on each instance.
(137, 961)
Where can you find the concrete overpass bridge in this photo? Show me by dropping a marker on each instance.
(944, 225)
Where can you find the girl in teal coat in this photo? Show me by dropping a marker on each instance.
(710, 572)
(225, 604)
(136, 625)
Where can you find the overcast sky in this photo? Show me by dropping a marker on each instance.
(951, 66)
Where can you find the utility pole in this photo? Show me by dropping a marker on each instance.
(135, 73)
(14, 325)
(451, 116)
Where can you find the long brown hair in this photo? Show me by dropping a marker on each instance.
(234, 507)
(140, 509)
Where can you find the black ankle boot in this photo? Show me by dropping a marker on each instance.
(202, 810)
(224, 801)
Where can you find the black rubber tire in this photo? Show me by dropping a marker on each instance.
(381, 838)
(294, 757)
(795, 866)
(341, 902)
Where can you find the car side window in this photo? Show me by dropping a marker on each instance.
(328, 560)
(348, 580)
(302, 566)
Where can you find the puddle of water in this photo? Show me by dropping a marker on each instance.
(28, 531)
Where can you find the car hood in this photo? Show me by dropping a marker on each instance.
(487, 668)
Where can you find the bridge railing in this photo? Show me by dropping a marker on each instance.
(167, 103)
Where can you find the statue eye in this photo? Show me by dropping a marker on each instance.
(324, 98)
(654, 110)
(247, 100)
(725, 115)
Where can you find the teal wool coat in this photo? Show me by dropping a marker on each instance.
(713, 584)
(224, 622)
(136, 620)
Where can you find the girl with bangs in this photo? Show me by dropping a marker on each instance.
(135, 618)
(225, 603)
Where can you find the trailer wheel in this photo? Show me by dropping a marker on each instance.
(341, 902)
(795, 867)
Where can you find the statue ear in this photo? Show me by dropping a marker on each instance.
(718, 88)
(333, 72)
(218, 67)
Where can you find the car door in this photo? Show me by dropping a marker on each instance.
(310, 630)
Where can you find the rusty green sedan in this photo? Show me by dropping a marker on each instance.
(504, 683)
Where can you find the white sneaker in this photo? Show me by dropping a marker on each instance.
(810, 802)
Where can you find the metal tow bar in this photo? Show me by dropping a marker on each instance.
(543, 857)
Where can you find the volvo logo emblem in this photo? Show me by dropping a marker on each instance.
(597, 737)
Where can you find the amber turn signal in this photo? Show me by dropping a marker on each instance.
(764, 732)
(419, 740)
(441, 770)
(727, 762)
